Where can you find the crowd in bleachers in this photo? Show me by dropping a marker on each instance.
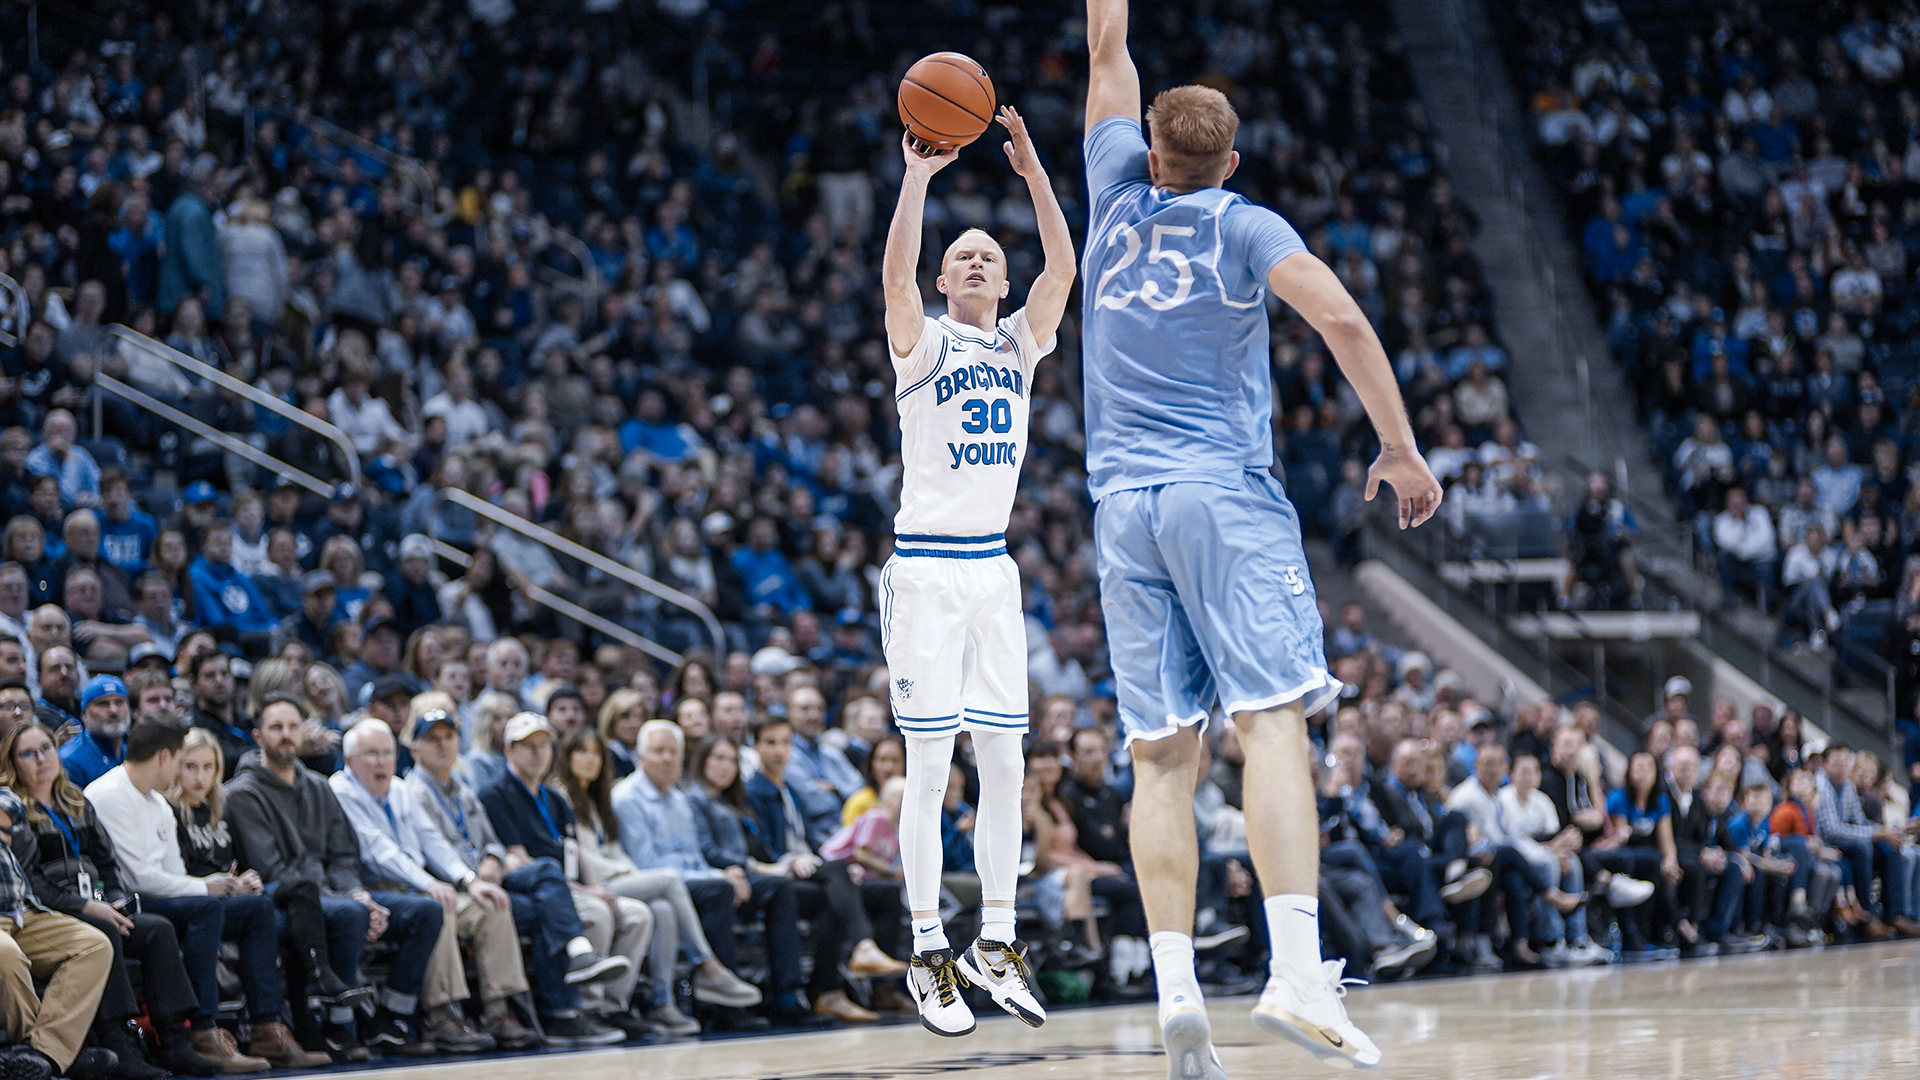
(425, 812)
(1740, 179)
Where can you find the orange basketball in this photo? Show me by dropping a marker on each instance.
(946, 100)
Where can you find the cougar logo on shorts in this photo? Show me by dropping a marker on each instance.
(906, 687)
(1294, 580)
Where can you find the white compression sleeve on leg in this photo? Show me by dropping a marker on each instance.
(928, 762)
(996, 821)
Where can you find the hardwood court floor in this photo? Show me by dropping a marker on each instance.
(1840, 1013)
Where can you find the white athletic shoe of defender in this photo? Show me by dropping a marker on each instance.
(1305, 1008)
(935, 980)
(1001, 970)
(1188, 1038)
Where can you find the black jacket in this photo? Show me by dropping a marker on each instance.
(1570, 795)
(1099, 816)
(53, 865)
(1397, 810)
(1702, 828)
(292, 832)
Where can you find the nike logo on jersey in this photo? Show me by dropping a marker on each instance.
(977, 377)
(992, 453)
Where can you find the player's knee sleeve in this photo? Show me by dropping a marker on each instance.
(929, 760)
(996, 830)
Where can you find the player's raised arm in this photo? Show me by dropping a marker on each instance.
(1047, 299)
(899, 268)
(1113, 83)
(1305, 282)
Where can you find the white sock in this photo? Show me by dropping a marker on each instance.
(1173, 973)
(929, 935)
(579, 946)
(996, 924)
(1293, 926)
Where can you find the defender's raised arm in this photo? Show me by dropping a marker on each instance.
(1047, 300)
(1305, 282)
(899, 268)
(1113, 83)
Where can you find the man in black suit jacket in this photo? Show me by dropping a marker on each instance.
(1714, 881)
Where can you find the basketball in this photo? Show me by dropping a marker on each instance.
(946, 101)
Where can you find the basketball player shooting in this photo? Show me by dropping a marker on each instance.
(1203, 578)
(950, 595)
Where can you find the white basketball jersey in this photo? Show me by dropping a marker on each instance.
(962, 395)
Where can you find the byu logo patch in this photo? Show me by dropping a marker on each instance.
(1294, 581)
(906, 687)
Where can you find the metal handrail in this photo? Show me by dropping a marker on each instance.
(574, 611)
(259, 397)
(615, 570)
(16, 301)
(1716, 627)
(231, 443)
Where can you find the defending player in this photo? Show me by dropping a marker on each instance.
(1202, 576)
(950, 596)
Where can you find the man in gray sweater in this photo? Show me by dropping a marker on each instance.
(290, 828)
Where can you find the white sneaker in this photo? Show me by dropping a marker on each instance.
(934, 980)
(1591, 954)
(1625, 892)
(1468, 886)
(1001, 970)
(1188, 1037)
(1305, 1008)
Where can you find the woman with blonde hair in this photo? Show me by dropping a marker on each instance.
(620, 718)
(71, 870)
(486, 761)
(325, 695)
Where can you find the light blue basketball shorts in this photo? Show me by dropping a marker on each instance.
(1208, 600)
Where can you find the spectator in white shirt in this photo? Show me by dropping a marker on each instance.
(1856, 286)
(466, 418)
(1748, 556)
(1806, 573)
(1453, 453)
(365, 418)
(204, 910)
(1532, 825)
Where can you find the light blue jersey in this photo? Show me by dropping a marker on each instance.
(1203, 580)
(1175, 328)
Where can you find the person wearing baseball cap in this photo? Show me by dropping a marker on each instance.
(380, 641)
(313, 623)
(542, 902)
(389, 700)
(1673, 703)
(535, 822)
(101, 744)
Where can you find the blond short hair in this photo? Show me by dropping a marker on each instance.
(1193, 129)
